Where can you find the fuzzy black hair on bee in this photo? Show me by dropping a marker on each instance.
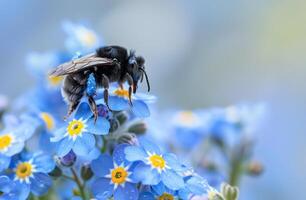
(108, 64)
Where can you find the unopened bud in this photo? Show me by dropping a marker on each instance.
(68, 160)
(114, 125)
(209, 165)
(138, 128)
(86, 172)
(76, 192)
(103, 111)
(214, 195)
(229, 192)
(255, 168)
(121, 117)
(128, 138)
(57, 172)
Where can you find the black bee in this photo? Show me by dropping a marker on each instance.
(108, 64)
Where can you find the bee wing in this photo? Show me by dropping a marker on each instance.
(79, 64)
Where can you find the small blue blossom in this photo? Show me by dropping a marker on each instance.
(10, 190)
(80, 38)
(189, 128)
(31, 172)
(159, 191)
(78, 135)
(154, 166)
(13, 137)
(114, 177)
(119, 100)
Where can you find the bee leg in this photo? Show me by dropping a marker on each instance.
(93, 107)
(105, 84)
(121, 85)
(71, 109)
(129, 80)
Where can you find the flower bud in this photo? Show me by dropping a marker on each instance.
(86, 172)
(76, 192)
(57, 172)
(103, 111)
(114, 125)
(68, 160)
(214, 195)
(122, 117)
(128, 138)
(138, 128)
(229, 192)
(255, 168)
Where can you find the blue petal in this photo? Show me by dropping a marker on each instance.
(143, 173)
(150, 146)
(45, 144)
(83, 111)
(21, 191)
(146, 196)
(128, 192)
(4, 162)
(93, 154)
(159, 189)
(59, 134)
(65, 146)
(40, 184)
(140, 109)
(5, 184)
(100, 127)
(102, 165)
(117, 103)
(172, 180)
(14, 149)
(119, 155)
(102, 189)
(173, 162)
(44, 163)
(84, 145)
(196, 185)
(134, 153)
(183, 193)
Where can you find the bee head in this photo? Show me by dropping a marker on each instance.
(136, 69)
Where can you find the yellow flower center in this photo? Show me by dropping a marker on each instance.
(48, 119)
(157, 161)
(166, 196)
(187, 118)
(122, 93)
(5, 141)
(87, 37)
(55, 80)
(119, 175)
(75, 127)
(24, 170)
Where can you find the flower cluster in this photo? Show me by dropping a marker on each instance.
(112, 156)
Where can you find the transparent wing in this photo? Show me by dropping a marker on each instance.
(80, 64)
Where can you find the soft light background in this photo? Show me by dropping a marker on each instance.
(199, 54)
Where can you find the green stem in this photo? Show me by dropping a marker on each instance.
(104, 147)
(78, 182)
(68, 177)
(236, 170)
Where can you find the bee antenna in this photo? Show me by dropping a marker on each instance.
(141, 79)
(147, 79)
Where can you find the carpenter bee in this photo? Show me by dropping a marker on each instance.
(108, 64)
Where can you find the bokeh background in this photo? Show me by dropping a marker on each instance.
(199, 54)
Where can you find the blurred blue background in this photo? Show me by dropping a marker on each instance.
(199, 54)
